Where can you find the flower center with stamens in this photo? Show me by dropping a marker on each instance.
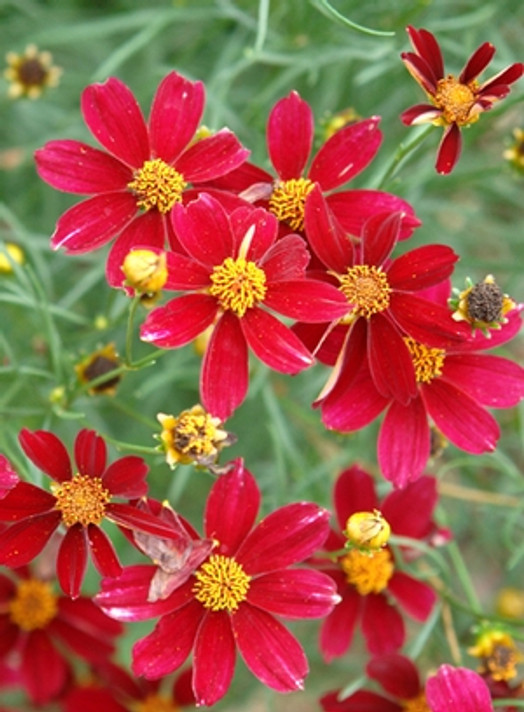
(367, 288)
(221, 584)
(288, 201)
(498, 653)
(368, 572)
(156, 703)
(455, 100)
(157, 185)
(32, 72)
(194, 435)
(427, 362)
(238, 285)
(82, 500)
(416, 704)
(33, 606)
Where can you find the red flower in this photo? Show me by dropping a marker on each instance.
(367, 582)
(458, 689)
(79, 501)
(455, 102)
(36, 625)
(146, 167)
(235, 270)
(231, 601)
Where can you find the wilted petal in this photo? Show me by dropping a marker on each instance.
(382, 625)
(458, 689)
(295, 593)
(213, 658)
(290, 136)
(47, 452)
(71, 562)
(179, 321)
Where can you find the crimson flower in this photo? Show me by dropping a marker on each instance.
(367, 582)
(455, 102)
(79, 501)
(233, 271)
(232, 599)
(144, 169)
(39, 630)
(456, 688)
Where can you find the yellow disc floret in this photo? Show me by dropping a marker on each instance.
(238, 284)
(428, 362)
(288, 201)
(368, 572)
(416, 704)
(193, 436)
(156, 703)
(367, 530)
(456, 101)
(30, 73)
(157, 185)
(366, 287)
(82, 500)
(34, 605)
(498, 654)
(222, 584)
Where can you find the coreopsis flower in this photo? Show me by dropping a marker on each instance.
(143, 171)
(101, 362)
(456, 102)
(41, 629)
(8, 477)
(370, 582)
(456, 688)
(12, 253)
(232, 273)
(483, 305)
(232, 600)
(400, 679)
(498, 653)
(30, 73)
(78, 501)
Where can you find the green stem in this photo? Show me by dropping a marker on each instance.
(329, 11)
(401, 153)
(463, 574)
(263, 14)
(129, 334)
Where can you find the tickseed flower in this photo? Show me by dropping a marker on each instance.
(368, 581)
(145, 271)
(193, 436)
(456, 102)
(456, 688)
(510, 602)
(498, 654)
(11, 253)
(143, 172)
(232, 599)
(400, 680)
(483, 305)
(515, 153)
(98, 364)
(30, 73)
(42, 628)
(79, 501)
(367, 531)
(233, 271)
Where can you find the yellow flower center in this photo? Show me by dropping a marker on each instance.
(194, 435)
(367, 529)
(416, 704)
(288, 201)
(82, 500)
(157, 185)
(34, 605)
(367, 288)
(455, 100)
(498, 653)
(368, 572)
(155, 703)
(221, 584)
(238, 285)
(428, 362)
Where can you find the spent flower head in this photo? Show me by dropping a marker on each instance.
(30, 73)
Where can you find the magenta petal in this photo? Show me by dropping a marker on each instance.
(155, 655)
(272, 654)
(47, 452)
(185, 274)
(360, 701)
(131, 517)
(115, 120)
(422, 268)
(354, 491)
(415, 597)
(71, 561)
(382, 625)
(425, 43)
(43, 669)
(8, 477)
(409, 510)
(296, 593)
(213, 658)
(90, 453)
(449, 150)
(254, 233)
(25, 500)
(397, 674)
(327, 238)
(179, 321)
(76, 167)
(286, 259)
(490, 380)
(427, 322)
(476, 64)
(380, 234)
(287, 536)
(211, 157)
(346, 154)
(458, 689)
(21, 542)
(203, 230)
(460, 418)
(308, 300)
(103, 554)
(290, 136)
(93, 222)
(231, 508)
(404, 442)
(224, 377)
(390, 362)
(175, 115)
(420, 114)
(336, 633)
(274, 343)
(126, 477)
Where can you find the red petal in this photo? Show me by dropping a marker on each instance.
(346, 154)
(155, 655)
(76, 167)
(425, 43)
(297, 593)
(458, 689)
(21, 542)
(503, 78)
(287, 536)
(179, 321)
(130, 517)
(8, 477)
(175, 115)
(274, 343)
(290, 136)
(82, 615)
(380, 234)
(71, 562)
(306, 299)
(421, 72)
(113, 115)
(476, 64)
(420, 114)
(126, 477)
(212, 157)
(203, 230)
(185, 274)
(286, 259)
(390, 362)
(90, 453)
(271, 653)
(421, 268)
(213, 659)
(404, 442)
(490, 380)
(354, 491)
(361, 701)
(43, 670)
(327, 238)
(224, 377)
(382, 625)
(47, 452)
(25, 500)
(409, 510)
(254, 232)
(449, 150)
(103, 554)
(427, 322)
(231, 508)
(415, 597)
(93, 222)
(397, 674)
(337, 630)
